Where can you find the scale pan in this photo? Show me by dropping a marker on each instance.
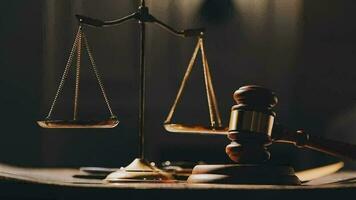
(109, 123)
(183, 128)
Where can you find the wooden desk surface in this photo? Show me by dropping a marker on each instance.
(32, 183)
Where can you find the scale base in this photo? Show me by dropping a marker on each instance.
(244, 174)
(139, 170)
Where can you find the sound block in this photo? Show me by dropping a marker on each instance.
(244, 174)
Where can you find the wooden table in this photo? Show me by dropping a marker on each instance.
(32, 183)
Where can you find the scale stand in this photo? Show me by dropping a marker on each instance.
(140, 169)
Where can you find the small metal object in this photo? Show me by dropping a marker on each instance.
(97, 170)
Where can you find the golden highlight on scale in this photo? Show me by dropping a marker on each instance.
(251, 129)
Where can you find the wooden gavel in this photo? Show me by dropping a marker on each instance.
(252, 128)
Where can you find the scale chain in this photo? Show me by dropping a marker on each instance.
(212, 102)
(211, 112)
(64, 75)
(97, 75)
(182, 86)
(213, 106)
(77, 77)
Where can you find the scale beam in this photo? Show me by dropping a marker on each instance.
(183, 33)
(141, 15)
(100, 23)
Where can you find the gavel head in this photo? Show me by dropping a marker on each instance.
(251, 125)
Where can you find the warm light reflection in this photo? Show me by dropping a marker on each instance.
(252, 14)
(259, 17)
(318, 172)
(286, 17)
(188, 9)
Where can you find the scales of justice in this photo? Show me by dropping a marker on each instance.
(251, 128)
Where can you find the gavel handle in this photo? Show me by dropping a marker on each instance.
(331, 147)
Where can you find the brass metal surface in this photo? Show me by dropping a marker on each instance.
(109, 123)
(139, 171)
(184, 128)
(251, 121)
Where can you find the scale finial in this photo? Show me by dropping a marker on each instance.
(143, 3)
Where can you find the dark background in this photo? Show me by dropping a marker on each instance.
(304, 50)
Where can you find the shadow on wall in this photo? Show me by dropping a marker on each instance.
(20, 81)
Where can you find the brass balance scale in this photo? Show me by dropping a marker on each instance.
(250, 128)
(139, 169)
